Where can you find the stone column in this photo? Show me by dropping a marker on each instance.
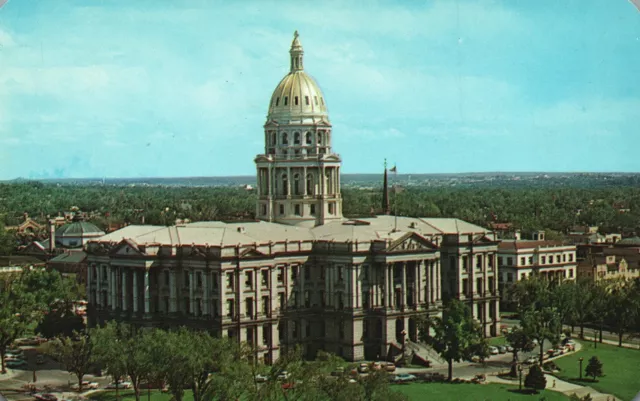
(304, 181)
(113, 287)
(385, 286)
(289, 181)
(257, 302)
(192, 298)
(147, 293)
(404, 290)
(391, 289)
(205, 293)
(429, 288)
(136, 301)
(124, 290)
(172, 292)
(99, 285)
(438, 285)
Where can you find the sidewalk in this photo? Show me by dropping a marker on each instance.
(611, 342)
(561, 386)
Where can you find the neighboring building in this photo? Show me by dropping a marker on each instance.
(520, 259)
(598, 267)
(77, 233)
(304, 274)
(70, 262)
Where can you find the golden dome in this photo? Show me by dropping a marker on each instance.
(297, 96)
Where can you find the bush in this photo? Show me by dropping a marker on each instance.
(535, 379)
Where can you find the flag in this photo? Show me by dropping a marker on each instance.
(393, 169)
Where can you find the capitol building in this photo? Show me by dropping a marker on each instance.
(302, 274)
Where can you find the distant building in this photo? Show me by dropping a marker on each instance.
(521, 259)
(599, 267)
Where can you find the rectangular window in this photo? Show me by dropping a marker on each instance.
(323, 301)
(557, 258)
(264, 277)
(231, 308)
(214, 281)
(564, 257)
(248, 279)
(571, 273)
(265, 305)
(544, 260)
(509, 261)
(249, 307)
(281, 209)
(307, 299)
(365, 300)
(294, 329)
(280, 274)
(465, 263)
(321, 272)
(286, 100)
(294, 273)
(365, 272)
(297, 210)
(230, 281)
(340, 274)
(479, 261)
(282, 301)
(570, 257)
(491, 288)
(522, 261)
(490, 261)
(312, 210)
(530, 260)
(523, 276)
(510, 277)
(465, 286)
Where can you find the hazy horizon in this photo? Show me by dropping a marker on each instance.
(181, 88)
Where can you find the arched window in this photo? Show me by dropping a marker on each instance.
(285, 185)
(273, 138)
(310, 186)
(278, 101)
(307, 138)
(319, 137)
(296, 184)
(329, 182)
(296, 138)
(285, 138)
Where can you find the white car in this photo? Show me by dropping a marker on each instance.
(86, 385)
(121, 385)
(531, 360)
(493, 350)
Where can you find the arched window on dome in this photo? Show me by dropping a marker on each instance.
(296, 138)
(296, 184)
(273, 138)
(296, 100)
(310, 186)
(307, 138)
(321, 100)
(306, 100)
(315, 99)
(278, 101)
(285, 185)
(286, 100)
(319, 137)
(285, 138)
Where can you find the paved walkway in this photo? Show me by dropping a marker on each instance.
(612, 342)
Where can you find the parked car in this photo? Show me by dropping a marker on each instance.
(493, 350)
(502, 349)
(261, 379)
(363, 368)
(532, 360)
(120, 385)
(390, 367)
(15, 363)
(509, 348)
(403, 378)
(45, 397)
(284, 375)
(86, 385)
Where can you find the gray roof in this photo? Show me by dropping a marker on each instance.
(220, 233)
(77, 229)
(632, 241)
(69, 257)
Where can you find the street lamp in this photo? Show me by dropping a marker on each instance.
(581, 359)
(520, 374)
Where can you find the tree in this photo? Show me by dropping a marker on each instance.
(60, 323)
(456, 335)
(594, 368)
(520, 341)
(540, 325)
(622, 309)
(535, 379)
(74, 352)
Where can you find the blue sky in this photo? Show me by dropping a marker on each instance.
(146, 88)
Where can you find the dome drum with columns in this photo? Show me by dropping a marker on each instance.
(298, 175)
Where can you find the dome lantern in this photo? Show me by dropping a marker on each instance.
(296, 53)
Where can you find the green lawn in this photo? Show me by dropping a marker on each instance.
(416, 392)
(620, 366)
(473, 392)
(497, 341)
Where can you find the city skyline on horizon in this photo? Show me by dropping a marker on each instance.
(181, 89)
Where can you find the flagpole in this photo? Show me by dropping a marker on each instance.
(395, 197)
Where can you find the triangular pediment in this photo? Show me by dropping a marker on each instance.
(251, 253)
(126, 247)
(271, 123)
(482, 239)
(331, 158)
(412, 242)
